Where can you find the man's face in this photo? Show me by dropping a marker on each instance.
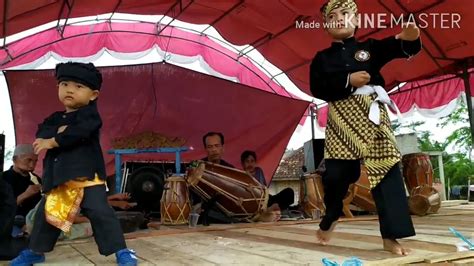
(249, 164)
(342, 23)
(26, 162)
(214, 148)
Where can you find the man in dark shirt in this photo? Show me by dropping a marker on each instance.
(214, 145)
(25, 185)
(9, 247)
(7, 210)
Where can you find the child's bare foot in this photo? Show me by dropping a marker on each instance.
(391, 245)
(324, 236)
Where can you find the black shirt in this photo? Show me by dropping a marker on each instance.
(9, 247)
(19, 184)
(79, 153)
(7, 209)
(221, 162)
(331, 67)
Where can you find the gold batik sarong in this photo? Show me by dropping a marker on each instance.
(63, 202)
(350, 135)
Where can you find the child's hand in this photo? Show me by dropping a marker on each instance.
(61, 129)
(359, 78)
(410, 32)
(44, 144)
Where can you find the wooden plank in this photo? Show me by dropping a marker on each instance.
(451, 256)
(210, 250)
(310, 238)
(360, 218)
(77, 241)
(450, 203)
(411, 243)
(458, 217)
(421, 229)
(91, 252)
(464, 261)
(426, 231)
(164, 255)
(455, 213)
(419, 237)
(64, 253)
(396, 261)
(220, 227)
(283, 254)
(457, 257)
(308, 243)
(440, 223)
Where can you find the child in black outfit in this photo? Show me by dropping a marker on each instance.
(74, 170)
(347, 76)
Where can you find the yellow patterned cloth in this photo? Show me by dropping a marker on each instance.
(334, 4)
(63, 202)
(350, 135)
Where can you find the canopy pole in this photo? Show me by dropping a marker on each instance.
(2, 150)
(470, 111)
(313, 116)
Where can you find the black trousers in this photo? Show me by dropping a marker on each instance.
(284, 198)
(9, 247)
(389, 196)
(105, 225)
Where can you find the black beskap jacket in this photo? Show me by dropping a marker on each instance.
(79, 153)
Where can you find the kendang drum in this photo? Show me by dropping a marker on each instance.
(236, 193)
(311, 194)
(424, 200)
(363, 195)
(417, 170)
(175, 205)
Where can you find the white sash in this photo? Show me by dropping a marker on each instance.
(382, 97)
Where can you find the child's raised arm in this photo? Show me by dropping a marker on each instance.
(403, 45)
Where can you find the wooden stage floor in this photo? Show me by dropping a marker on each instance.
(283, 243)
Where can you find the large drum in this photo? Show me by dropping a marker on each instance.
(311, 194)
(417, 170)
(363, 196)
(175, 205)
(235, 192)
(424, 200)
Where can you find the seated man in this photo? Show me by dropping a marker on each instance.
(214, 145)
(25, 185)
(9, 247)
(276, 203)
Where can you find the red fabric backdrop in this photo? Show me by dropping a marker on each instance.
(172, 101)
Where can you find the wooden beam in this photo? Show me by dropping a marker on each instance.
(451, 256)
